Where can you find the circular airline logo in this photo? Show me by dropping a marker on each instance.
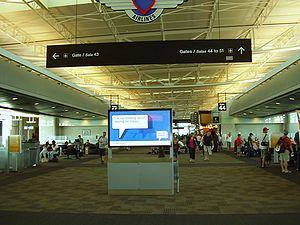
(144, 18)
(142, 11)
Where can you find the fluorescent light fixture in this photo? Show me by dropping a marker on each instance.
(14, 98)
(292, 98)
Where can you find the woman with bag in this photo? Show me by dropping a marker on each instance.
(191, 144)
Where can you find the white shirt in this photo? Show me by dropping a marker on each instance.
(261, 138)
(229, 138)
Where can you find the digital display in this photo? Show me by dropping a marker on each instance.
(151, 127)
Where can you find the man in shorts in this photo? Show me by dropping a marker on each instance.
(286, 144)
(264, 147)
(102, 142)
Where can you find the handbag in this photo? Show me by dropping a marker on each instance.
(263, 142)
(277, 148)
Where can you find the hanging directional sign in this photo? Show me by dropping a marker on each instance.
(222, 106)
(150, 52)
(216, 119)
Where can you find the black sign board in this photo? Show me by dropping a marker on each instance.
(151, 52)
(195, 118)
(182, 121)
(222, 106)
(216, 119)
(114, 107)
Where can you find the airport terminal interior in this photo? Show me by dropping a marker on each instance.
(99, 100)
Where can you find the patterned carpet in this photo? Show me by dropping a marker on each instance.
(224, 189)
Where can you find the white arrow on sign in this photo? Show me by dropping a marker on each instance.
(55, 56)
(241, 50)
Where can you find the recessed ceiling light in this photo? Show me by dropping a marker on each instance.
(277, 103)
(77, 112)
(85, 114)
(15, 98)
(244, 114)
(292, 98)
(66, 110)
(53, 107)
(36, 103)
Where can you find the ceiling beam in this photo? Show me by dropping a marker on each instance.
(168, 86)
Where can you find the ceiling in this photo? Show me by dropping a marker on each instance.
(28, 104)
(27, 27)
(283, 104)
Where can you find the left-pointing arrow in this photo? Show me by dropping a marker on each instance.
(55, 56)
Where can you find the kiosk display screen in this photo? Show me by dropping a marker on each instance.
(151, 127)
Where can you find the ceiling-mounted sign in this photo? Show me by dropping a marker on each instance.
(222, 106)
(216, 119)
(114, 107)
(142, 11)
(150, 52)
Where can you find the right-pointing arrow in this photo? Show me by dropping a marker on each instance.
(241, 50)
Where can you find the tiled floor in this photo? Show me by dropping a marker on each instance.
(221, 189)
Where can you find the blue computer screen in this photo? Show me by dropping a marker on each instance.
(140, 128)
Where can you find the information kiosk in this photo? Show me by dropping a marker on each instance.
(140, 173)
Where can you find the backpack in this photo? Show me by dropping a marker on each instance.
(282, 146)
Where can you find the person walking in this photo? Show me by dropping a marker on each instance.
(102, 143)
(229, 140)
(296, 139)
(250, 145)
(191, 144)
(80, 144)
(238, 145)
(284, 154)
(264, 147)
(207, 144)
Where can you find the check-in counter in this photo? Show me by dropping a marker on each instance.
(27, 157)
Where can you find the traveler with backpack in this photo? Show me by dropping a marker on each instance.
(285, 146)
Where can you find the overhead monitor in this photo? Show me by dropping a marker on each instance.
(147, 127)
